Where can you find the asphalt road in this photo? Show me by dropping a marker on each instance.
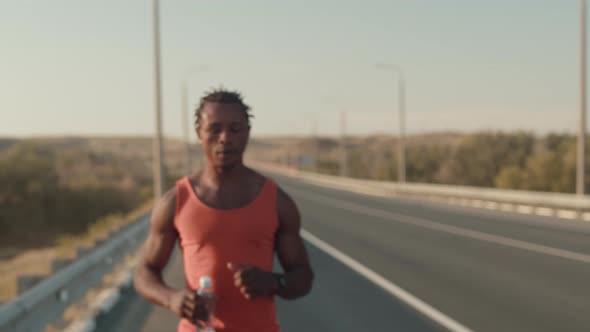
(487, 270)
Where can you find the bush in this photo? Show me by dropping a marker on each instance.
(36, 205)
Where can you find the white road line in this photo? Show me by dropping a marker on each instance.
(396, 217)
(388, 286)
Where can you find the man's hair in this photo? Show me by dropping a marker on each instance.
(223, 96)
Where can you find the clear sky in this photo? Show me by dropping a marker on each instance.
(86, 67)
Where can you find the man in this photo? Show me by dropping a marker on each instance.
(229, 220)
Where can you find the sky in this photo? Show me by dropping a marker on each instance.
(71, 67)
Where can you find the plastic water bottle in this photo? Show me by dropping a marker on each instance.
(205, 292)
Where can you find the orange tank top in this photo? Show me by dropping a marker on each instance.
(210, 238)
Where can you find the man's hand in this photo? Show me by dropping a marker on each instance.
(252, 281)
(187, 304)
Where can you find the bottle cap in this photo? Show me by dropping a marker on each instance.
(205, 282)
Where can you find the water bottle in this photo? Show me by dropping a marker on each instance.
(205, 292)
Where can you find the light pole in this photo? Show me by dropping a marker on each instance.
(158, 168)
(344, 147)
(314, 134)
(314, 140)
(580, 181)
(401, 153)
(185, 115)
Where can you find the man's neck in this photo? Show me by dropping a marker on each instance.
(217, 176)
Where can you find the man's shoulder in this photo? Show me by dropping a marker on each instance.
(255, 175)
(164, 209)
(254, 179)
(258, 180)
(195, 182)
(168, 199)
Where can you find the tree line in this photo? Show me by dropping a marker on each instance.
(46, 193)
(518, 160)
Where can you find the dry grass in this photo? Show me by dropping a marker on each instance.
(34, 262)
(38, 261)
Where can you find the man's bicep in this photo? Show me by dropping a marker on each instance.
(162, 236)
(291, 251)
(158, 248)
(290, 247)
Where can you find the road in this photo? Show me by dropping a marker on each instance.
(487, 270)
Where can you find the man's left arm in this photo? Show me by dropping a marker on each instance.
(298, 275)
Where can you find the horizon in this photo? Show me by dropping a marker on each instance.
(297, 136)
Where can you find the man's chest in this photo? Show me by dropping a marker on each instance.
(227, 198)
(246, 227)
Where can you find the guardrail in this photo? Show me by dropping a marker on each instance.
(46, 301)
(568, 206)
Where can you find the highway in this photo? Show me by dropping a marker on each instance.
(482, 269)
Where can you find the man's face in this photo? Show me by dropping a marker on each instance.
(224, 132)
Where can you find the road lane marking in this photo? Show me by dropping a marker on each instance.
(414, 302)
(415, 221)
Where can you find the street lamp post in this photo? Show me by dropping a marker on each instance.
(312, 117)
(158, 168)
(580, 181)
(184, 117)
(314, 135)
(344, 147)
(401, 154)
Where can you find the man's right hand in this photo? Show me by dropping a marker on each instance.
(185, 303)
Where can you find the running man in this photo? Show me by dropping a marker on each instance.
(229, 220)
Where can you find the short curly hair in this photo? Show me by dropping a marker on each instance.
(224, 96)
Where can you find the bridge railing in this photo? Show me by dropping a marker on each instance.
(568, 206)
(46, 301)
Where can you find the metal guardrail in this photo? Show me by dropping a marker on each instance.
(45, 302)
(543, 203)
